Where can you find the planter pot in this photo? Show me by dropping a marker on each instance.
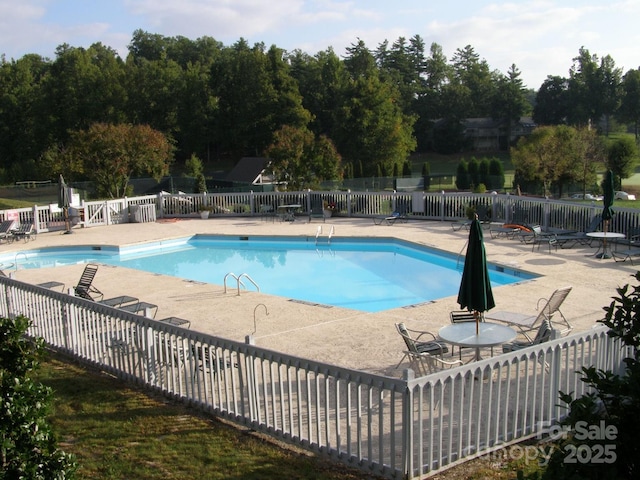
(204, 214)
(327, 213)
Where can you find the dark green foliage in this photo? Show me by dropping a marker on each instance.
(463, 181)
(28, 448)
(426, 175)
(496, 173)
(406, 169)
(474, 171)
(614, 402)
(622, 156)
(201, 184)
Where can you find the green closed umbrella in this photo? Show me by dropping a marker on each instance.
(607, 210)
(475, 287)
(64, 201)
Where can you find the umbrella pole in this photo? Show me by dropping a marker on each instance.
(604, 240)
(476, 315)
(67, 225)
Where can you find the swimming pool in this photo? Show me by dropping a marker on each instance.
(363, 274)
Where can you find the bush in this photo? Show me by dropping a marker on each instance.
(28, 448)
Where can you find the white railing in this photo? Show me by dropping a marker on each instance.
(397, 428)
(550, 214)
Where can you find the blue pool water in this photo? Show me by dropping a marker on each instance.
(363, 274)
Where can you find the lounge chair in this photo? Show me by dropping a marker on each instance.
(390, 219)
(85, 288)
(544, 335)
(5, 230)
(630, 247)
(535, 237)
(24, 231)
(527, 324)
(568, 240)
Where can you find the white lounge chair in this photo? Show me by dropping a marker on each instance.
(543, 335)
(530, 323)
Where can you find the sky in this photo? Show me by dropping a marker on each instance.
(539, 37)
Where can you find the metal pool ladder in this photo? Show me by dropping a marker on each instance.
(239, 282)
(319, 232)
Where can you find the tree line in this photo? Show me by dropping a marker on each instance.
(321, 116)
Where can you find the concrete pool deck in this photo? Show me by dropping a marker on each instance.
(343, 337)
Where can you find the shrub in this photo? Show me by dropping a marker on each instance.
(613, 403)
(28, 448)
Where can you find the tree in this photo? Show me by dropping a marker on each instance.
(28, 447)
(299, 160)
(496, 173)
(630, 106)
(590, 154)
(621, 158)
(371, 128)
(551, 104)
(463, 181)
(509, 102)
(473, 73)
(426, 176)
(110, 154)
(545, 156)
(21, 133)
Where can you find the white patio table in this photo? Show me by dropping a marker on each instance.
(489, 335)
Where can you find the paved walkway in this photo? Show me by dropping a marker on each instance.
(339, 336)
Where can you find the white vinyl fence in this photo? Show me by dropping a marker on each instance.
(397, 428)
(550, 214)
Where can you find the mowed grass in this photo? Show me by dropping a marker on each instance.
(117, 431)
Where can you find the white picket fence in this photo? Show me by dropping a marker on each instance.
(550, 214)
(397, 428)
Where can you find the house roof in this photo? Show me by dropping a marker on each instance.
(248, 170)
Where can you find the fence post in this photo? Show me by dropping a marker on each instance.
(407, 424)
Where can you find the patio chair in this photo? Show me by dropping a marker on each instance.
(24, 231)
(543, 335)
(569, 240)
(390, 219)
(463, 316)
(526, 324)
(85, 288)
(416, 347)
(535, 237)
(5, 230)
(631, 247)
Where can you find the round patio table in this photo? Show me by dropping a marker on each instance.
(604, 250)
(489, 335)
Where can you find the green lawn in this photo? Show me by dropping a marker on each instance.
(118, 431)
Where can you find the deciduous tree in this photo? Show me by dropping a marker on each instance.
(110, 154)
(299, 160)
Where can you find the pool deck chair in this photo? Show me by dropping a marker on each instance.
(416, 345)
(424, 356)
(527, 324)
(390, 219)
(24, 231)
(85, 288)
(568, 240)
(544, 335)
(5, 230)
